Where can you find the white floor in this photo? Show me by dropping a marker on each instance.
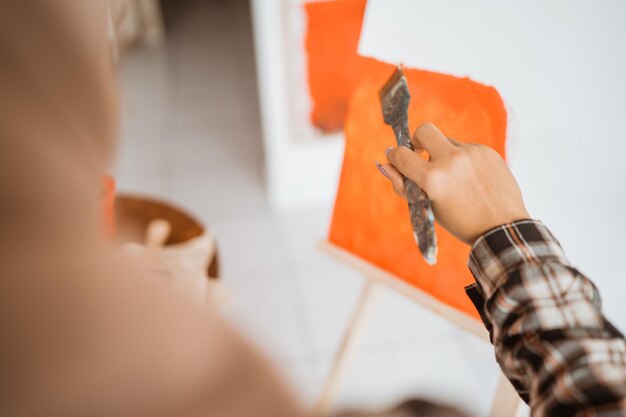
(191, 134)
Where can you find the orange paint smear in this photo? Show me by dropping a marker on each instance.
(332, 40)
(369, 220)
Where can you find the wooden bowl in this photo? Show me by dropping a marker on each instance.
(133, 214)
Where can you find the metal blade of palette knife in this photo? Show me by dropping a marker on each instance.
(395, 98)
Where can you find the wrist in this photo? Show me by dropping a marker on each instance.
(499, 221)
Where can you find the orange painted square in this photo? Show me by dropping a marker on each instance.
(369, 220)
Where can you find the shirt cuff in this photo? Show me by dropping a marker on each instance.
(504, 249)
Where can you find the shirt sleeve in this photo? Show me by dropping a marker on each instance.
(546, 324)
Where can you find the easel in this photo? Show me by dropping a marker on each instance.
(506, 402)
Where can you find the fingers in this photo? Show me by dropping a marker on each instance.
(455, 142)
(430, 138)
(409, 164)
(392, 174)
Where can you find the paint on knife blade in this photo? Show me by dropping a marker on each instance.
(394, 99)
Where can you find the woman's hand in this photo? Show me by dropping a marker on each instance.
(471, 187)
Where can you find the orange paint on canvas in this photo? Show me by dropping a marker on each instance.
(332, 39)
(369, 220)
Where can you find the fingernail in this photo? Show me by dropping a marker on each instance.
(382, 170)
(389, 149)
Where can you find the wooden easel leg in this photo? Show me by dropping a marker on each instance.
(349, 343)
(506, 402)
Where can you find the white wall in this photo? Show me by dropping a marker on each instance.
(301, 167)
(560, 66)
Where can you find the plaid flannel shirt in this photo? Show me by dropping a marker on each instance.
(546, 324)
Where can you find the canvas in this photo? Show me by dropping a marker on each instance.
(332, 39)
(369, 220)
